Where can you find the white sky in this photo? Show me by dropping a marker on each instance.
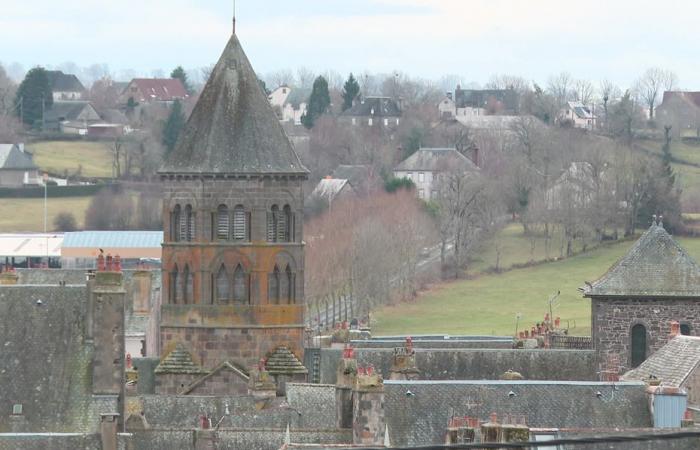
(594, 39)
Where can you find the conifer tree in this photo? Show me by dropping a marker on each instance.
(33, 97)
(173, 126)
(350, 90)
(180, 74)
(319, 101)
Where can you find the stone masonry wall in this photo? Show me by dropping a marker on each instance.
(211, 346)
(613, 319)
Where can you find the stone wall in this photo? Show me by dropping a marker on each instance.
(475, 364)
(613, 319)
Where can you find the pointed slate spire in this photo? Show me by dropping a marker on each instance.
(233, 129)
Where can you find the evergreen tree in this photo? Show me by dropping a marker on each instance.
(33, 97)
(181, 75)
(173, 126)
(319, 101)
(350, 90)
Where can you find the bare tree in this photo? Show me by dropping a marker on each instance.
(609, 92)
(560, 87)
(506, 81)
(583, 91)
(10, 129)
(650, 86)
(8, 88)
(305, 78)
(275, 79)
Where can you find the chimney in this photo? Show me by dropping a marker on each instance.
(18, 422)
(345, 381)
(368, 426)
(108, 430)
(261, 386)
(106, 299)
(675, 329)
(404, 364)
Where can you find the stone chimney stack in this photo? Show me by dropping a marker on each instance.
(108, 430)
(368, 408)
(345, 381)
(106, 297)
(404, 365)
(675, 329)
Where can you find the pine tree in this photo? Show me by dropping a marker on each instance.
(350, 90)
(173, 126)
(33, 97)
(319, 101)
(181, 75)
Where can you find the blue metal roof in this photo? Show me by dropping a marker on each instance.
(113, 239)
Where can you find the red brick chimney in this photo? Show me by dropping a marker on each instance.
(675, 329)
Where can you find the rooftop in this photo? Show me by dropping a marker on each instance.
(233, 129)
(655, 266)
(375, 107)
(164, 89)
(437, 159)
(671, 364)
(64, 82)
(13, 157)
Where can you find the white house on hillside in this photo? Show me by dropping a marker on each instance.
(579, 115)
(424, 167)
(289, 103)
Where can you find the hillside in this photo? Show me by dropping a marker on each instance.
(489, 303)
(90, 159)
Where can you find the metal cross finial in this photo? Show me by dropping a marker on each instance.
(234, 16)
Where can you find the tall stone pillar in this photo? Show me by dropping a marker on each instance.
(345, 381)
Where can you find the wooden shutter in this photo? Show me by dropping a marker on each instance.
(240, 232)
(222, 223)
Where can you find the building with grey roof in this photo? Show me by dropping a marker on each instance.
(70, 117)
(65, 86)
(633, 303)
(425, 166)
(676, 364)
(17, 166)
(374, 111)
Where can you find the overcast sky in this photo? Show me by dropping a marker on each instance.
(594, 39)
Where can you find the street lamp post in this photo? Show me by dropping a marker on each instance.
(46, 184)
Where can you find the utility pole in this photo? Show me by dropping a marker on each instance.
(46, 186)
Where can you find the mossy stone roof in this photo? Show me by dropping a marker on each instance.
(655, 266)
(283, 362)
(179, 361)
(233, 129)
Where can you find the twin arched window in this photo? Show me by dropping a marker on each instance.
(281, 286)
(280, 224)
(231, 289)
(240, 220)
(181, 286)
(182, 224)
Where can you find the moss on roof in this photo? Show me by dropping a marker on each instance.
(283, 362)
(179, 361)
(233, 129)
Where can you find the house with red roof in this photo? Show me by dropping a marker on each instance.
(149, 90)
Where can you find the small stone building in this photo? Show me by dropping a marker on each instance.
(634, 302)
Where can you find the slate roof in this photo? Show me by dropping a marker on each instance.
(64, 82)
(233, 129)
(163, 89)
(46, 362)
(692, 97)
(672, 363)
(12, 158)
(655, 266)
(357, 175)
(480, 98)
(374, 107)
(179, 360)
(435, 160)
(328, 188)
(68, 110)
(421, 418)
(298, 96)
(283, 362)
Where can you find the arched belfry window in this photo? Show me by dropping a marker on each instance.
(183, 223)
(175, 223)
(639, 345)
(222, 223)
(289, 277)
(272, 221)
(190, 222)
(188, 288)
(274, 286)
(240, 286)
(240, 223)
(173, 285)
(222, 286)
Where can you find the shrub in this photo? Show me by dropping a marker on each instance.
(65, 221)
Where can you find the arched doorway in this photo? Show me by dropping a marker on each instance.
(639, 345)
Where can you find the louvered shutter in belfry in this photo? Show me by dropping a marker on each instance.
(222, 223)
(239, 224)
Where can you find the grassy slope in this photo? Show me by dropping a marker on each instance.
(688, 175)
(27, 214)
(488, 304)
(57, 157)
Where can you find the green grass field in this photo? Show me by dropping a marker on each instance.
(88, 158)
(27, 214)
(488, 304)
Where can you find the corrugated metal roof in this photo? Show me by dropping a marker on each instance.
(113, 239)
(32, 245)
